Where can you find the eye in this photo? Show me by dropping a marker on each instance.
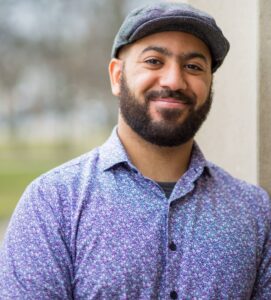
(153, 61)
(193, 67)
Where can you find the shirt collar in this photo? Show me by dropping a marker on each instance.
(198, 163)
(113, 153)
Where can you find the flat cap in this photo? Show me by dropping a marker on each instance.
(172, 16)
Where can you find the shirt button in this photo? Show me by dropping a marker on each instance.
(172, 246)
(173, 295)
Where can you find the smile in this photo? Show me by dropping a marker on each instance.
(170, 103)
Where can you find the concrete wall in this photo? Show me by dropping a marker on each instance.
(265, 95)
(230, 135)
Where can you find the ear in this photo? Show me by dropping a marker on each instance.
(115, 71)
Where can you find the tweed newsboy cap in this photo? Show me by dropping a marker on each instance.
(172, 16)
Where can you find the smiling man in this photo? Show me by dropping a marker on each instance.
(172, 71)
(145, 216)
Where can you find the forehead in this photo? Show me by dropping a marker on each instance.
(176, 42)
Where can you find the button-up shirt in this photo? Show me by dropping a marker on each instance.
(96, 228)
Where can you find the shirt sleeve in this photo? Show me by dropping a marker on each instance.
(35, 261)
(262, 288)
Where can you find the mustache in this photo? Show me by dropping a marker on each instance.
(178, 95)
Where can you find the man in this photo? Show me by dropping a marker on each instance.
(145, 216)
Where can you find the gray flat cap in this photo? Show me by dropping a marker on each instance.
(173, 16)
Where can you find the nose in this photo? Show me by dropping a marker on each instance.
(173, 78)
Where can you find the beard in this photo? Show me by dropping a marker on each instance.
(166, 132)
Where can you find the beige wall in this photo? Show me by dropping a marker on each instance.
(265, 95)
(229, 137)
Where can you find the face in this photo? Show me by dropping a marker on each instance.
(163, 82)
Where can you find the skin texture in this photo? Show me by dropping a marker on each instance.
(173, 61)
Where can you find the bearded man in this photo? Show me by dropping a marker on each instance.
(146, 216)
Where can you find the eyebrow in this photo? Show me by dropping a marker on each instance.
(161, 50)
(185, 56)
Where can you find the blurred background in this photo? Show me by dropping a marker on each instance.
(55, 96)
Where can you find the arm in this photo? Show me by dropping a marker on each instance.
(35, 261)
(262, 288)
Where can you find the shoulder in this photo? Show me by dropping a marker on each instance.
(240, 190)
(229, 181)
(63, 185)
(53, 198)
(70, 173)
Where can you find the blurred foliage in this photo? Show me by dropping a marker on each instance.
(54, 59)
(53, 62)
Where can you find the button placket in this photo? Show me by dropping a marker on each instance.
(172, 248)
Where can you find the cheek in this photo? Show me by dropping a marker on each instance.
(202, 90)
(140, 82)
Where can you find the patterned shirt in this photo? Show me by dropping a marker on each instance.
(96, 228)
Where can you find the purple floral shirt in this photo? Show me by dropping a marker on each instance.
(95, 228)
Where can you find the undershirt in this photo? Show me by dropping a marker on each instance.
(167, 187)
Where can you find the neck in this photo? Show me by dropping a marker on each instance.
(163, 164)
